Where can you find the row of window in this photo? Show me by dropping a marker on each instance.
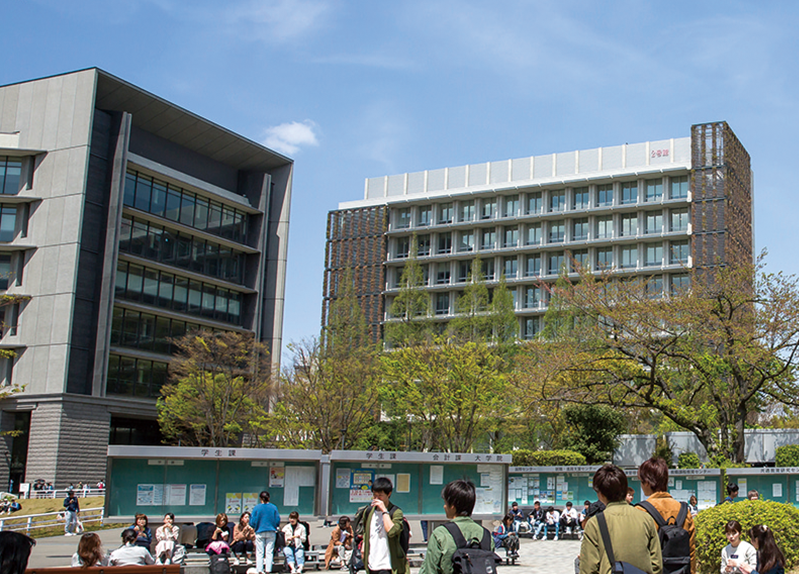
(147, 332)
(10, 173)
(181, 250)
(517, 267)
(176, 204)
(556, 231)
(152, 287)
(8, 222)
(537, 202)
(135, 377)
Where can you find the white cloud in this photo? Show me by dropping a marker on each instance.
(279, 20)
(289, 137)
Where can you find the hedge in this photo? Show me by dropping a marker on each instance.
(782, 519)
(787, 455)
(547, 458)
(688, 460)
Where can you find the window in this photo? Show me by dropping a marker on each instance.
(580, 257)
(489, 239)
(532, 326)
(442, 273)
(580, 229)
(535, 203)
(466, 242)
(442, 303)
(424, 215)
(423, 245)
(557, 231)
(557, 200)
(629, 225)
(654, 222)
(403, 247)
(680, 283)
(654, 286)
(8, 221)
(604, 259)
(679, 187)
(629, 192)
(654, 254)
(10, 175)
(580, 198)
(532, 266)
(464, 268)
(604, 195)
(445, 213)
(444, 243)
(511, 206)
(135, 377)
(556, 261)
(510, 267)
(679, 219)
(466, 210)
(9, 314)
(426, 274)
(534, 234)
(532, 297)
(488, 269)
(5, 270)
(629, 257)
(654, 190)
(511, 235)
(680, 250)
(604, 227)
(489, 210)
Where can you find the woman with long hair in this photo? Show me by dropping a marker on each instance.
(15, 549)
(770, 559)
(90, 552)
(166, 537)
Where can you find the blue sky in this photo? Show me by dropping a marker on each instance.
(361, 89)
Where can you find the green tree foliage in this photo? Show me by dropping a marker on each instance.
(782, 520)
(787, 455)
(473, 321)
(219, 387)
(705, 358)
(452, 390)
(504, 325)
(547, 458)
(688, 460)
(410, 309)
(593, 431)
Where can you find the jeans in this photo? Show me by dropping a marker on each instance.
(71, 522)
(264, 551)
(548, 526)
(539, 524)
(294, 555)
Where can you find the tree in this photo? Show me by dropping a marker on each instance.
(218, 391)
(705, 357)
(593, 431)
(411, 306)
(451, 389)
(504, 325)
(472, 321)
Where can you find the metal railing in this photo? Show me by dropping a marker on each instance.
(62, 493)
(47, 520)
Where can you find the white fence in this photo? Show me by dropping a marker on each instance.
(80, 493)
(48, 520)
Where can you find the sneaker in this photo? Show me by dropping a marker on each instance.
(556, 537)
(235, 561)
(249, 561)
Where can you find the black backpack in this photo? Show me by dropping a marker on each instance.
(405, 535)
(219, 564)
(471, 558)
(675, 541)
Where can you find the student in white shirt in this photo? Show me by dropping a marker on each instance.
(738, 552)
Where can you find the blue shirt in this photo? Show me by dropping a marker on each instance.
(265, 518)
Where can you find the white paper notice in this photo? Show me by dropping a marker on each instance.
(742, 489)
(343, 478)
(197, 495)
(144, 494)
(158, 495)
(776, 490)
(306, 475)
(176, 494)
(436, 474)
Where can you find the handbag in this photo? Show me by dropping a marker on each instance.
(615, 567)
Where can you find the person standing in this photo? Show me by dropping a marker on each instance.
(265, 520)
(382, 551)
(72, 509)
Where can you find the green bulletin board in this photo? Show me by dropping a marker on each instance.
(780, 484)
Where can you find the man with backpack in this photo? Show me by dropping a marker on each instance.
(445, 554)
(385, 533)
(673, 519)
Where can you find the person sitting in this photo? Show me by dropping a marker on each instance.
(90, 552)
(518, 516)
(15, 550)
(130, 554)
(551, 520)
(505, 536)
(144, 536)
(166, 537)
(220, 537)
(243, 539)
(569, 519)
(584, 513)
(536, 519)
(738, 555)
(295, 536)
(340, 546)
(770, 559)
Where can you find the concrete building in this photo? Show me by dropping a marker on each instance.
(124, 220)
(655, 209)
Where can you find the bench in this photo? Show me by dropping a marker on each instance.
(155, 569)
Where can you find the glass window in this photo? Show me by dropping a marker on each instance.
(679, 187)
(680, 283)
(532, 326)
(654, 286)
(166, 290)
(604, 227)
(466, 242)
(511, 206)
(195, 297)
(150, 287)
(629, 257)
(172, 204)
(464, 268)
(8, 221)
(489, 209)
(158, 202)
(466, 210)
(629, 225)
(201, 213)
(580, 198)
(654, 254)
(580, 257)
(629, 192)
(532, 266)
(116, 326)
(403, 218)
(557, 200)
(489, 239)
(442, 303)
(511, 236)
(443, 273)
(557, 231)
(535, 202)
(130, 190)
(679, 219)
(10, 175)
(445, 212)
(534, 234)
(680, 250)
(488, 269)
(214, 217)
(5, 270)
(228, 222)
(556, 261)
(135, 282)
(654, 222)
(604, 195)
(580, 229)
(423, 245)
(180, 303)
(121, 281)
(208, 303)
(144, 188)
(510, 267)
(654, 190)
(604, 259)
(532, 297)
(403, 247)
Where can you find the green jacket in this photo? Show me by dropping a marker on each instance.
(441, 547)
(634, 537)
(399, 563)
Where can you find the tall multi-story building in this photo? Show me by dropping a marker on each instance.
(654, 209)
(125, 221)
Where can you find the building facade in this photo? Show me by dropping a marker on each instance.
(125, 221)
(654, 209)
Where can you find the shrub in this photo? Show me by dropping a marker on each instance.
(663, 450)
(787, 455)
(547, 458)
(782, 519)
(688, 460)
